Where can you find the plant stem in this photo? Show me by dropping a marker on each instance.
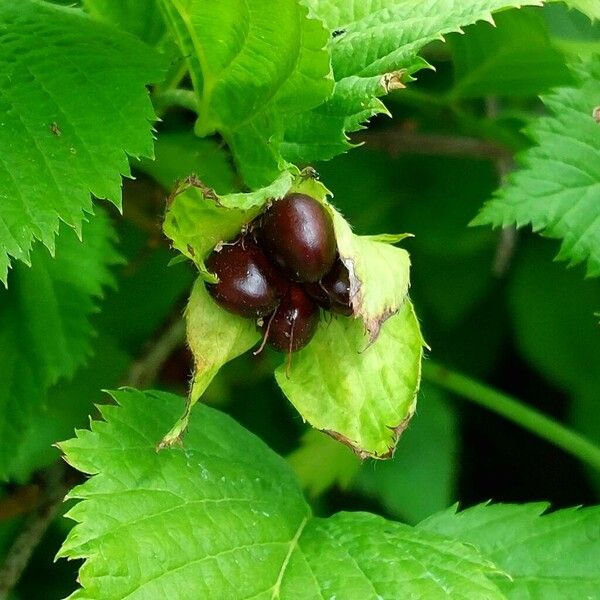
(175, 97)
(515, 411)
(396, 142)
(55, 488)
(145, 371)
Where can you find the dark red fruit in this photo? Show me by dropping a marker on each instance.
(333, 291)
(297, 233)
(294, 322)
(249, 285)
(318, 293)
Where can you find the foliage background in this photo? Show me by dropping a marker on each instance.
(493, 305)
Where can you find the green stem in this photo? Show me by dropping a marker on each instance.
(175, 97)
(515, 411)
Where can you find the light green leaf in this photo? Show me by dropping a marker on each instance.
(557, 189)
(421, 478)
(362, 394)
(514, 58)
(550, 556)
(223, 517)
(374, 50)
(197, 218)
(379, 274)
(44, 324)
(215, 337)
(253, 65)
(140, 17)
(65, 132)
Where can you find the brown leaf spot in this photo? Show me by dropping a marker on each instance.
(364, 454)
(192, 181)
(393, 81)
(596, 114)
(55, 129)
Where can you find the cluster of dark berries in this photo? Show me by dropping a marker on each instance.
(281, 270)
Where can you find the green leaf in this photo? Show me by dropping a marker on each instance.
(253, 65)
(45, 332)
(550, 556)
(379, 274)
(374, 50)
(360, 393)
(142, 18)
(223, 517)
(421, 478)
(65, 132)
(215, 337)
(514, 58)
(572, 32)
(557, 189)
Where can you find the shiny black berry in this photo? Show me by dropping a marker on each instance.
(297, 233)
(249, 285)
(333, 291)
(294, 322)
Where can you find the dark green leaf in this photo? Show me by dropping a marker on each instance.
(73, 108)
(44, 324)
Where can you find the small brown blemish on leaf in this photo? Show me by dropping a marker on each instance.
(596, 114)
(169, 443)
(398, 431)
(190, 250)
(309, 173)
(373, 325)
(192, 181)
(364, 454)
(393, 81)
(55, 129)
(338, 437)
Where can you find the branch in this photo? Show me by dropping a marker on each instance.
(397, 141)
(514, 410)
(53, 492)
(508, 236)
(145, 370)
